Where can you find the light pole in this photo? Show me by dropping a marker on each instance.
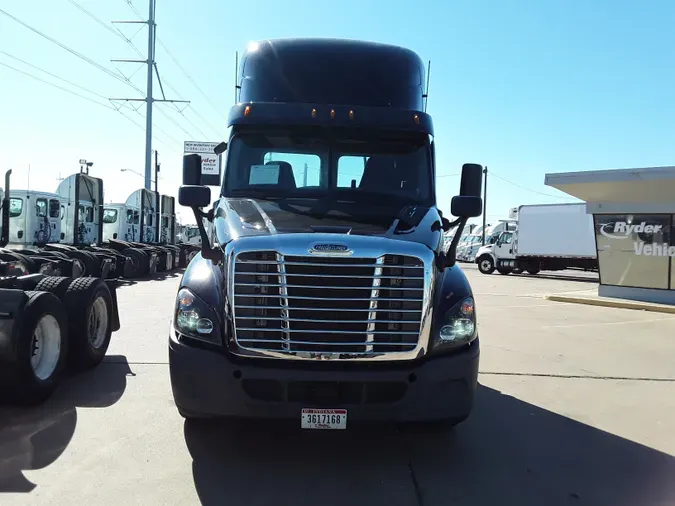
(84, 163)
(139, 174)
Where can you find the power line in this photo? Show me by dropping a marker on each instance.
(54, 75)
(98, 20)
(526, 189)
(107, 106)
(70, 50)
(175, 60)
(448, 175)
(120, 35)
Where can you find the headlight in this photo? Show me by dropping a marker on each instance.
(194, 319)
(458, 326)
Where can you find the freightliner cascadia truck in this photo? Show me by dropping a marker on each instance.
(323, 292)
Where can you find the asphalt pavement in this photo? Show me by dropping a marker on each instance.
(576, 406)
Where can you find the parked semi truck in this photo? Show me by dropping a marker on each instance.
(322, 292)
(72, 233)
(48, 323)
(549, 237)
(474, 242)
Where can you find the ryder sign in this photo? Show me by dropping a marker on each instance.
(625, 230)
(210, 161)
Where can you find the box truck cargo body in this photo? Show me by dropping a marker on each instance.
(549, 237)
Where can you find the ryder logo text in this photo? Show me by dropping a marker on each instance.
(623, 230)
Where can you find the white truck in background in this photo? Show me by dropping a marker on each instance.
(549, 237)
(475, 246)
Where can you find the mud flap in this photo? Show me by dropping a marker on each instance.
(112, 286)
(12, 304)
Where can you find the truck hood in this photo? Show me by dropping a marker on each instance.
(235, 218)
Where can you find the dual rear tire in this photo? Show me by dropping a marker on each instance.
(66, 324)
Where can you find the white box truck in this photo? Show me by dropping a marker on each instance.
(549, 237)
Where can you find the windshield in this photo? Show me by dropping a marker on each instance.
(305, 165)
(109, 215)
(190, 232)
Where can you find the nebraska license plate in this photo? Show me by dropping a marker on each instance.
(324, 418)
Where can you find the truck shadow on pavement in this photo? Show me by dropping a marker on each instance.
(160, 276)
(508, 452)
(34, 438)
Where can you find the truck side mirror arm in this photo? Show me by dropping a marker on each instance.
(448, 259)
(213, 254)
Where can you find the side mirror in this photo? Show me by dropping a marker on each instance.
(194, 196)
(468, 204)
(466, 207)
(192, 170)
(472, 180)
(220, 148)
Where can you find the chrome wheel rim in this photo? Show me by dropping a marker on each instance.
(98, 322)
(45, 347)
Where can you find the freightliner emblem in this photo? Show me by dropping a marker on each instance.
(330, 249)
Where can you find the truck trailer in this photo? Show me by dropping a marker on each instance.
(322, 292)
(549, 237)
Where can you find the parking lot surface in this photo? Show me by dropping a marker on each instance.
(576, 405)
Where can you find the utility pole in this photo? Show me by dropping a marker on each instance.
(149, 100)
(304, 177)
(485, 172)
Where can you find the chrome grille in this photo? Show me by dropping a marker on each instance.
(317, 305)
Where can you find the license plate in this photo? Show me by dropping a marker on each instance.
(324, 418)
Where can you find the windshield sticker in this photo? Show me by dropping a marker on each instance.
(263, 174)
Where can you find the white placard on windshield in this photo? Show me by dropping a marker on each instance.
(264, 174)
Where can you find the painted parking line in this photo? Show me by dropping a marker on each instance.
(591, 324)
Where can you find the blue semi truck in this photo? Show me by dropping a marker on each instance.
(323, 291)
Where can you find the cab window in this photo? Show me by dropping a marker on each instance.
(41, 207)
(15, 207)
(54, 208)
(109, 215)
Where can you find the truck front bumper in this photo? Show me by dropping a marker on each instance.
(208, 383)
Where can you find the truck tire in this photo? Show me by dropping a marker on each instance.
(503, 270)
(534, 272)
(54, 284)
(486, 264)
(139, 260)
(41, 350)
(92, 265)
(89, 307)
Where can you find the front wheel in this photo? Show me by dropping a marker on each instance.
(486, 265)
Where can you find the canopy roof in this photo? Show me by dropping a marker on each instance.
(651, 184)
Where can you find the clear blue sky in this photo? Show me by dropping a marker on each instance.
(525, 87)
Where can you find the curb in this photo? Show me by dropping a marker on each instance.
(619, 303)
